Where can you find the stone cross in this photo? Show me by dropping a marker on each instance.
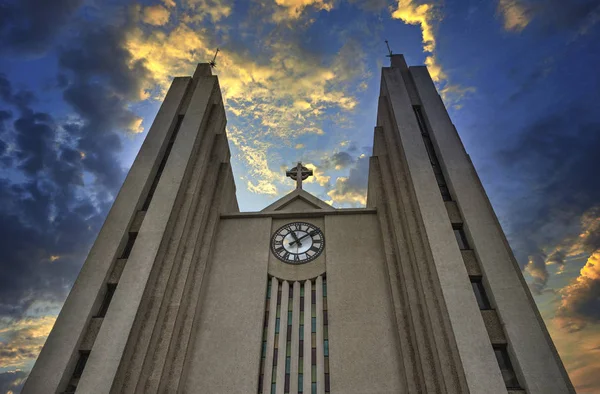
(299, 173)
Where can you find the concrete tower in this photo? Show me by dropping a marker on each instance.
(416, 293)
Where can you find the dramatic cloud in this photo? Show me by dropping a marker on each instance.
(424, 16)
(319, 176)
(554, 159)
(580, 302)
(352, 190)
(536, 268)
(338, 161)
(23, 340)
(30, 26)
(65, 172)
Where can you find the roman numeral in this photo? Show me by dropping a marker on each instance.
(315, 248)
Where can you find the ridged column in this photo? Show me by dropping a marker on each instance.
(283, 323)
(307, 368)
(295, 351)
(268, 372)
(320, 342)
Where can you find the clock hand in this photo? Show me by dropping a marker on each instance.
(296, 239)
(304, 236)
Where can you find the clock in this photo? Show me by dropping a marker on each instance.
(297, 243)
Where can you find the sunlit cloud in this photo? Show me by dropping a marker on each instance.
(292, 9)
(515, 14)
(318, 177)
(278, 97)
(342, 193)
(580, 304)
(156, 15)
(424, 16)
(22, 340)
(581, 246)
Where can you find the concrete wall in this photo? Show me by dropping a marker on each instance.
(226, 352)
(363, 352)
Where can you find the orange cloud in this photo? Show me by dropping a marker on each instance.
(580, 302)
(23, 340)
(422, 15)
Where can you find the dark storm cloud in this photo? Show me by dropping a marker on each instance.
(353, 188)
(48, 220)
(556, 159)
(338, 160)
(30, 26)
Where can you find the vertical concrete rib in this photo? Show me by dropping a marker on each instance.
(320, 342)
(307, 367)
(267, 377)
(283, 323)
(295, 351)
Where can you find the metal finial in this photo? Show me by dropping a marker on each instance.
(213, 62)
(389, 50)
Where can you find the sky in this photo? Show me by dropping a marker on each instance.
(81, 82)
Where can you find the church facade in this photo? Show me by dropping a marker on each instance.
(418, 292)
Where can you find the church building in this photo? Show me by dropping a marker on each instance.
(418, 292)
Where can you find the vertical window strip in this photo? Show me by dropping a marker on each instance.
(313, 337)
(435, 163)
(263, 351)
(301, 341)
(163, 163)
(288, 348)
(326, 336)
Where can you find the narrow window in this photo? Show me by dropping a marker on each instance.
(508, 373)
(461, 238)
(433, 159)
(479, 290)
(79, 367)
(110, 291)
(129, 246)
(163, 163)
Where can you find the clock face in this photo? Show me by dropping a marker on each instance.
(297, 243)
